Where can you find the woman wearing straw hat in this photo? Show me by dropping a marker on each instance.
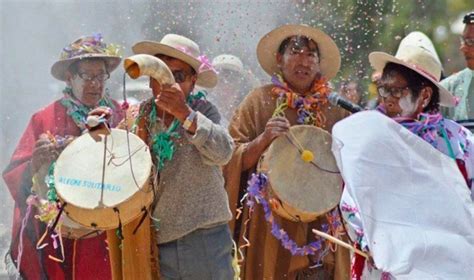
(189, 148)
(411, 95)
(84, 66)
(301, 60)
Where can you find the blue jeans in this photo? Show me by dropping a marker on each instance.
(204, 254)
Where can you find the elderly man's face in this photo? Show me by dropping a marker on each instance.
(88, 81)
(467, 48)
(299, 64)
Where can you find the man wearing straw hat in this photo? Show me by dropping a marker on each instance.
(234, 83)
(301, 60)
(461, 84)
(191, 213)
(407, 192)
(84, 66)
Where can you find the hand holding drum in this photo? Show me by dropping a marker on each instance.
(275, 127)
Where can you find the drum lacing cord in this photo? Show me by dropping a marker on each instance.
(130, 154)
(294, 141)
(127, 157)
(102, 183)
(119, 231)
(156, 182)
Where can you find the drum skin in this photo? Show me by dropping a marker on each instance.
(122, 197)
(298, 190)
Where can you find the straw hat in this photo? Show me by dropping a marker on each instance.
(228, 61)
(184, 49)
(267, 49)
(418, 58)
(419, 39)
(83, 48)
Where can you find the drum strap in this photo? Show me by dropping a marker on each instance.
(145, 213)
(119, 231)
(56, 221)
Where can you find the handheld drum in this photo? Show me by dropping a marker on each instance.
(102, 178)
(69, 228)
(304, 180)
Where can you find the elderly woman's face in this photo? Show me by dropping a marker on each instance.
(88, 82)
(397, 98)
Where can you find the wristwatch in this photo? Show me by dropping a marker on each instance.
(189, 120)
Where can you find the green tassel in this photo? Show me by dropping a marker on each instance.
(51, 194)
(163, 146)
(153, 113)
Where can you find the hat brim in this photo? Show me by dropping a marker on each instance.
(378, 60)
(60, 67)
(267, 49)
(207, 79)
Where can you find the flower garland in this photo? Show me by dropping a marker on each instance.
(78, 111)
(256, 190)
(308, 107)
(162, 144)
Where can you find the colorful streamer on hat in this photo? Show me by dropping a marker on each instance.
(88, 45)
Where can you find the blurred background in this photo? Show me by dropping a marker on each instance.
(34, 32)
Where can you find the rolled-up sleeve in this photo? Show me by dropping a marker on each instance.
(211, 139)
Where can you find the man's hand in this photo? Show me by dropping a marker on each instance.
(274, 128)
(173, 101)
(97, 116)
(45, 152)
(101, 111)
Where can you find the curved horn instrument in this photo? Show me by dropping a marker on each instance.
(148, 65)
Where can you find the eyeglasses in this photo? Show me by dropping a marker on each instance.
(396, 92)
(467, 41)
(180, 76)
(100, 78)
